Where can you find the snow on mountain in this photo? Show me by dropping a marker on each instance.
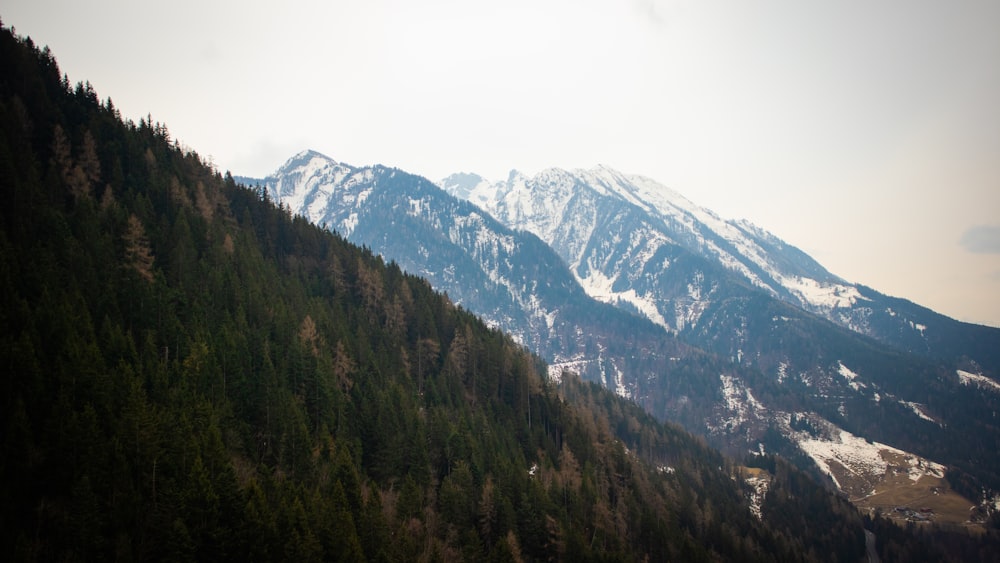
(321, 189)
(855, 464)
(513, 280)
(570, 210)
(758, 482)
(587, 267)
(979, 380)
(634, 242)
(739, 404)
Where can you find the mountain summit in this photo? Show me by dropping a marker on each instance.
(608, 225)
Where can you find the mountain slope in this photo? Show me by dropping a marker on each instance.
(735, 290)
(510, 278)
(619, 232)
(192, 373)
(789, 360)
(519, 285)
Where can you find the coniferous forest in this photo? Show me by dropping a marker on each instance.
(191, 373)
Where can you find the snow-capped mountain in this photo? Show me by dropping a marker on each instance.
(734, 289)
(627, 239)
(608, 276)
(606, 225)
(510, 278)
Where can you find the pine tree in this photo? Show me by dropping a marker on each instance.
(138, 255)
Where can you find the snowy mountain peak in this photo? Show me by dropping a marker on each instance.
(307, 182)
(605, 174)
(303, 158)
(516, 176)
(611, 248)
(462, 184)
(610, 227)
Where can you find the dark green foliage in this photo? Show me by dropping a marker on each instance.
(192, 374)
(922, 543)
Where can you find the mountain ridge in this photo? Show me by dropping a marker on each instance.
(198, 374)
(761, 258)
(726, 316)
(192, 373)
(459, 231)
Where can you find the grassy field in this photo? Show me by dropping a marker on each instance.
(929, 498)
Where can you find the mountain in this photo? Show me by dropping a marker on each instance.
(512, 279)
(769, 365)
(192, 373)
(620, 233)
(733, 289)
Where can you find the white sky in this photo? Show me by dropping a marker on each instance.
(866, 133)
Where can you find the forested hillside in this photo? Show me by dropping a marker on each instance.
(193, 374)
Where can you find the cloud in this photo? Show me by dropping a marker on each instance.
(982, 239)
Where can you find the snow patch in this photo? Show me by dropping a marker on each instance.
(758, 484)
(980, 381)
(862, 457)
(918, 410)
(739, 402)
(599, 286)
(348, 225)
(846, 372)
(576, 365)
(620, 388)
(782, 372)
(416, 206)
(825, 296)
(850, 376)
(555, 373)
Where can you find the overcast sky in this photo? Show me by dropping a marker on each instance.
(866, 133)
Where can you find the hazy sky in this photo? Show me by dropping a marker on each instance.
(866, 133)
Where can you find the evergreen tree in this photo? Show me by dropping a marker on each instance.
(191, 374)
